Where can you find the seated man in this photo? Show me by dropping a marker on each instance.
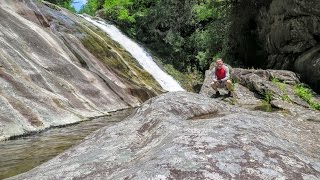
(221, 77)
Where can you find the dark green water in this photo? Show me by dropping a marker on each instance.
(266, 108)
(20, 155)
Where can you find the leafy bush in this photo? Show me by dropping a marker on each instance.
(282, 87)
(91, 7)
(267, 96)
(187, 80)
(63, 3)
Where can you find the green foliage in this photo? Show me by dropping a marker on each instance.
(185, 34)
(188, 80)
(91, 7)
(63, 3)
(285, 97)
(267, 96)
(316, 106)
(282, 87)
(307, 95)
(303, 93)
(120, 10)
(266, 102)
(125, 67)
(202, 59)
(275, 80)
(202, 12)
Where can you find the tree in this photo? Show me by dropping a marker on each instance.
(92, 6)
(184, 33)
(64, 3)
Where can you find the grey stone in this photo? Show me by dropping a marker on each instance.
(180, 136)
(290, 32)
(242, 95)
(277, 83)
(308, 64)
(252, 85)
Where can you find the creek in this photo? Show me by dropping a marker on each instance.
(22, 154)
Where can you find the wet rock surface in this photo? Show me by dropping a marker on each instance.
(57, 69)
(190, 136)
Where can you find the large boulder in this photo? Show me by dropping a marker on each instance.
(250, 84)
(278, 34)
(278, 87)
(189, 136)
(57, 69)
(242, 95)
(308, 65)
(254, 88)
(290, 31)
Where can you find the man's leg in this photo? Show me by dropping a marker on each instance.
(215, 86)
(228, 85)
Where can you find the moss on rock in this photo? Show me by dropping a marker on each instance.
(116, 58)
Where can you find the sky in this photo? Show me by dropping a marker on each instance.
(77, 4)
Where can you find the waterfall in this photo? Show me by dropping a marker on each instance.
(144, 58)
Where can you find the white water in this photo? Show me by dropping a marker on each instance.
(144, 58)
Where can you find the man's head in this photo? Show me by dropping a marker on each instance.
(219, 63)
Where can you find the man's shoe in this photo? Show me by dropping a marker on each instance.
(229, 94)
(217, 94)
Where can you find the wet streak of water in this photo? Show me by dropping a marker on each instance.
(20, 155)
(166, 81)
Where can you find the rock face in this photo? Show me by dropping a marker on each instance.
(56, 69)
(291, 32)
(279, 34)
(189, 136)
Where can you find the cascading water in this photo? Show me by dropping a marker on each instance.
(143, 57)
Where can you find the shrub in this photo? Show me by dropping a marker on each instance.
(307, 95)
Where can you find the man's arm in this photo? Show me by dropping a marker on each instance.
(226, 68)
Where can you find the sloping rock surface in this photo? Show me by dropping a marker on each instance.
(189, 136)
(56, 69)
